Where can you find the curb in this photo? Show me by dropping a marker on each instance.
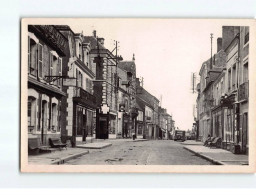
(216, 162)
(94, 147)
(65, 159)
(138, 140)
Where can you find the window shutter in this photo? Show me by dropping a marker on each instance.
(29, 62)
(87, 84)
(59, 70)
(51, 68)
(77, 79)
(40, 60)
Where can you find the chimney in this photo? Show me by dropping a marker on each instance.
(133, 57)
(228, 34)
(137, 82)
(94, 33)
(101, 40)
(219, 44)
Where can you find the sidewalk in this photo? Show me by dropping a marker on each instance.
(216, 155)
(56, 156)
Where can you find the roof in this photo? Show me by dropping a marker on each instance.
(93, 42)
(146, 97)
(128, 66)
(139, 104)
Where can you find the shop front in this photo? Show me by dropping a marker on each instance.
(84, 108)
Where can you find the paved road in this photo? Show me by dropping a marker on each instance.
(154, 152)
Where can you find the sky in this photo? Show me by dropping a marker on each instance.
(166, 53)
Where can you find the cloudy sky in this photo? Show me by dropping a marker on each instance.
(166, 53)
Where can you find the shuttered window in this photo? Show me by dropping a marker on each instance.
(40, 60)
(29, 61)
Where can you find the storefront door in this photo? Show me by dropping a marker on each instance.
(245, 132)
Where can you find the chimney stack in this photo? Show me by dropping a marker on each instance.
(94, 33)
(219, 44)
(101, 40)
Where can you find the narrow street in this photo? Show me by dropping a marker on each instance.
(154, 152)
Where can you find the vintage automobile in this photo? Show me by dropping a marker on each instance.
(179, 135)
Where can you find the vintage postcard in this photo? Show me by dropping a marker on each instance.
(138, 95)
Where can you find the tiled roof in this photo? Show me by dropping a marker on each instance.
(93, 42)
(129, 66)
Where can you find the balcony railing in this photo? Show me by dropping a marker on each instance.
(81, 93)
(243, 91)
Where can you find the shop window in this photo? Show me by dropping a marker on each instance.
(89, 122)
(31, 114)
(54, 117)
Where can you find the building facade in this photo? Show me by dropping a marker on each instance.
(79, 108)
(46, 49)
(223, 104)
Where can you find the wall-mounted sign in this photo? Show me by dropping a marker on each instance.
(104, 108)
(69, 82)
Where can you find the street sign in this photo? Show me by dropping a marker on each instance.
(69, 82)
(104, 108)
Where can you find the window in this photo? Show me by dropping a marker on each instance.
(44, 114)
(234, 77)
(59, 71)
(40, 60)
(80, 51)
(54, 117)
(245, 72)
(31, 114)
(87, 57)
(246, 38)
(32, 54)
(229, 79)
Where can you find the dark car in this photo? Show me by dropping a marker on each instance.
(179, 135)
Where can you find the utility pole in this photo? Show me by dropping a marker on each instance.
(211, 49)
(193, 82)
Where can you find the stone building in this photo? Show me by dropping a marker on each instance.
(151, 120)
(79, 107)
(46, 49)
(223, 103)
(127, 97)
(209, 71)
(104, 66)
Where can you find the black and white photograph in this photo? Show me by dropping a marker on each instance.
(137, 95)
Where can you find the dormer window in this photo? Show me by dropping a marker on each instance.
(80, 51)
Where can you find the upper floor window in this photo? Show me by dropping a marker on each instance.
(245, 72)
(88, 85)
(234, 77)
(246, 38)
(55, 67)
(35, 56)
(229, 78)
(32, 57)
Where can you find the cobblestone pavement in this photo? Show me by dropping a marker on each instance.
(153, 152)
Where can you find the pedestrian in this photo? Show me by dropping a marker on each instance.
(207, 140)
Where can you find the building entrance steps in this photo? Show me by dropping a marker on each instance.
(218, 156)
